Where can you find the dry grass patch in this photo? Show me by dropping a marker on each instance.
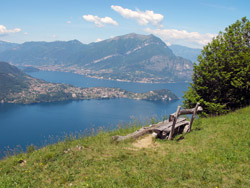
(145, 142)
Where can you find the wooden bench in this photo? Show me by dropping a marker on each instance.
(178, 125)
(165, 130)
(168, 128)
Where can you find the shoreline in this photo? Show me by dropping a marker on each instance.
(82, 72)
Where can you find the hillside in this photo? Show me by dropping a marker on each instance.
(18, 87)
(215, 154)
(11, 80)
(7, 46)
(131, 57)
(188, 53)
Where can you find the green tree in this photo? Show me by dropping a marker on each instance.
(221, 80)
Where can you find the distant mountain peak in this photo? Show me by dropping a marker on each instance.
(7, 45)
(134, 36)
(75, 41)
(3, 42)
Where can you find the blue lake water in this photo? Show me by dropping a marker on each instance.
(23, 125)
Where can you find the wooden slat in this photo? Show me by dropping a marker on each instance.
(193, 116)
(185, 112)
(183, 123)
(174, 122)
(169, 124)
(190, 111)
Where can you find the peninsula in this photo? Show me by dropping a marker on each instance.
(18, 87)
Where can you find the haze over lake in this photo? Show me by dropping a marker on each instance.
(34, 124)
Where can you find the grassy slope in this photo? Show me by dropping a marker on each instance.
(215, 154)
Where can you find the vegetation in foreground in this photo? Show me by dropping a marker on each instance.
(221, 80)
(215, 154)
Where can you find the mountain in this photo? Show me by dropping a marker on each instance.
(7, 45)
(186, 52)
(11, 79)
(132, 57)
(135, 57)
(43, 53)
(18, 87)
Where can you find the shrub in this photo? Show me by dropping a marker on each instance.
(221, 80)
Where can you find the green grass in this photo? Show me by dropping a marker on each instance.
(215, 154)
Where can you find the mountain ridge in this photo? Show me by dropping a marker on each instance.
(7, 45)
(131, 57)
(186, 52)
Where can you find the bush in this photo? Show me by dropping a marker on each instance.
(221, 80)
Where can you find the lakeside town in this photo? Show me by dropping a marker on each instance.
(102, 74)
(39, 91)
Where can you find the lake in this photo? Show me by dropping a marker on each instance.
(41, 124)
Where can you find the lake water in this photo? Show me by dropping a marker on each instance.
(40, 124)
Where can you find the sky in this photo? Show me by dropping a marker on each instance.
(191, 23)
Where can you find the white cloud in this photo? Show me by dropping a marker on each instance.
(174, 36)
(4, 30)
(168, 44)
(98, 40)
(143, 18)
(25, 33)
(99, 22)
(53, 36)
(68, 22)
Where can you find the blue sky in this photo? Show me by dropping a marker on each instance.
(191, 23)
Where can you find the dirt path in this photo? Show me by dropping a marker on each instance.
(145, 142)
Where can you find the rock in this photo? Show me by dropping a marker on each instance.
(22, 162)
(154, 135)
(79, 148)
(186, 129)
